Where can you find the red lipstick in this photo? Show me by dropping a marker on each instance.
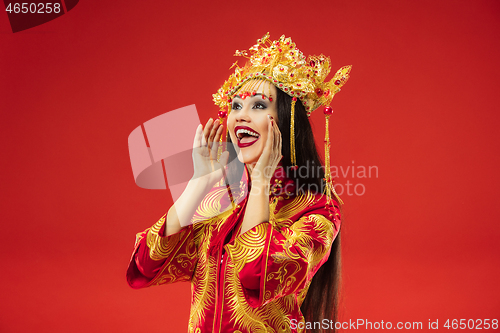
(248, 142)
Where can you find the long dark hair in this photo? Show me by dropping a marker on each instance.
(322, 298)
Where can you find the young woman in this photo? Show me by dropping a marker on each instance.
(257, 229)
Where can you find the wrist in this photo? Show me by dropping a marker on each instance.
(199, 185)
(260, 188)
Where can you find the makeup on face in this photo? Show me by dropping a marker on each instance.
(248, 120)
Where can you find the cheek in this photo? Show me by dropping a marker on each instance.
(230, 124)
(230, 121)
(264, 126)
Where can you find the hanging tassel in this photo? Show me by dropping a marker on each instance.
(223, 115)
(224, 181)
(292, 134)
(329, 188)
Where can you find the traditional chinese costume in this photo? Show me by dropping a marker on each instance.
(251, 282)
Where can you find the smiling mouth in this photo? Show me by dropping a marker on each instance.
(246, 136)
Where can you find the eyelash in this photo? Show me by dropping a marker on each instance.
(257, 105)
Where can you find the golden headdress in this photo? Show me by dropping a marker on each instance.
(281, 63)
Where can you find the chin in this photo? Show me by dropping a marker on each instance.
(248, 157)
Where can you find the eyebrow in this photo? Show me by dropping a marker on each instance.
(257, 94)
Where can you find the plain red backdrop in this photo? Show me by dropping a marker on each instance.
(422, 105)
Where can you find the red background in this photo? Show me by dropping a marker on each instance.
(421, 105)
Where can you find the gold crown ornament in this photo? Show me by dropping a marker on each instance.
(281, 63)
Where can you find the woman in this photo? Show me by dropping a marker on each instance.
(259, 244)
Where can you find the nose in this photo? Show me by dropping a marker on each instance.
(243, 115)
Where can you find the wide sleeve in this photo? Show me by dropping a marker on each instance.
(159, 259)
(274, 261)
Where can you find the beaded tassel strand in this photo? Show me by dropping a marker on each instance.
(223, 115)
(292, 134)
(329, 187)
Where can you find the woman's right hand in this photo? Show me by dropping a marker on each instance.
(207, 169)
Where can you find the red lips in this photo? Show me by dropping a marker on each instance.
(247, 140)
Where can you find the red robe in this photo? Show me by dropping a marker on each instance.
(253, 282)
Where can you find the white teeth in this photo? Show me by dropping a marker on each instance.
(240, 131)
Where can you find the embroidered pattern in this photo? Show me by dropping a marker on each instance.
(289, 249)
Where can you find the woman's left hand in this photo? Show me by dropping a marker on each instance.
(264, 169)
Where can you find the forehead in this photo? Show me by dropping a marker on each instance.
(259, 86)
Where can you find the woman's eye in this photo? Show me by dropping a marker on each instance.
(236, 106)
(260, 106)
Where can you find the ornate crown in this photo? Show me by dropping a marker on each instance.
(282, 64)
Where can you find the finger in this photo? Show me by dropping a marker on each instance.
(276, 151)
(206, 131)
(224, 158)
(270, 135)
(266, 154)
(218, 133)
(277, 128)
(280, 149)
(278, 140)
(275, 135)
(211, 136)
(197, 136)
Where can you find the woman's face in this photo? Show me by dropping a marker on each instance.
(248, 120)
